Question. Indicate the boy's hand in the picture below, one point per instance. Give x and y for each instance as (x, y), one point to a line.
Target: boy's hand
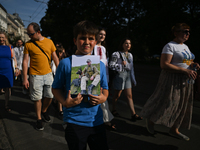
(70, 102)
(95, 100)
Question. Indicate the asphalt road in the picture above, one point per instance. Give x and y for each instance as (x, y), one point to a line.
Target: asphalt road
(17, 127)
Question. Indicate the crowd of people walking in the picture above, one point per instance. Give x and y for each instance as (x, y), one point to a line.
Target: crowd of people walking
(44, 69)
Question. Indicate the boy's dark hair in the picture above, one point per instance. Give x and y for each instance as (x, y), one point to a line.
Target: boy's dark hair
(36, 27)
(85, 27)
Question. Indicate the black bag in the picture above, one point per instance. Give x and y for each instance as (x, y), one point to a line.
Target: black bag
(113, 73)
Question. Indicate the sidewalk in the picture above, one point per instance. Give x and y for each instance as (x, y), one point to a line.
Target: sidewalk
(17, 127)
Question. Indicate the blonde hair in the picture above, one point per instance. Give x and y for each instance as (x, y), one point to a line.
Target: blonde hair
(179, 26)
(6, 41)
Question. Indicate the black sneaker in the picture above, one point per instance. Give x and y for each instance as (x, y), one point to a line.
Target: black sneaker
(46, 117)
(39, 125)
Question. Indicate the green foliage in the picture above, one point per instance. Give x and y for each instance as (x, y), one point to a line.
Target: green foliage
(147, 23)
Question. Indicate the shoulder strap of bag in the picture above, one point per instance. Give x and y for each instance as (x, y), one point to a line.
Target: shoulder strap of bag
(121, 55)
(40, 49)
(11, 51)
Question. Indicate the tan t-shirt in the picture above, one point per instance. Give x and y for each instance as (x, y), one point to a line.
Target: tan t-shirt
(39, 63)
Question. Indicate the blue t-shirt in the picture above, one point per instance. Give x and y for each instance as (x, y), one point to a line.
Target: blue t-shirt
(83, 114)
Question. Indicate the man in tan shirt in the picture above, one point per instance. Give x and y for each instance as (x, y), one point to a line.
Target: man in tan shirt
(40, 72)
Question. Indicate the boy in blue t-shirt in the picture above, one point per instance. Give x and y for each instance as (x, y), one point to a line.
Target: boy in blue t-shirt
(84, 118)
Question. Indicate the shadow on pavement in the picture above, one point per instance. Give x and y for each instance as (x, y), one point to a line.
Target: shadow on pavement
(128, 143)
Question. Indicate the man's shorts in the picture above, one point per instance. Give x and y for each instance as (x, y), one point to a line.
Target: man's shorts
(122, 81)
(40, 86)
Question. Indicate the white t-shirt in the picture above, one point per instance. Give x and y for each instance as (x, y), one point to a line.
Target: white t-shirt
(53, 67)
(182, 56)
(19, 52)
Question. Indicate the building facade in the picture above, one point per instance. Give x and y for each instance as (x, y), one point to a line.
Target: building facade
(3, 19)
(12, 25)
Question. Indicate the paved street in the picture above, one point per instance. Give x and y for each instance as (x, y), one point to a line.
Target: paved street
(17, 127)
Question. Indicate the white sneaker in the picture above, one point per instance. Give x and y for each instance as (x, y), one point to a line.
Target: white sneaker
(180, 136)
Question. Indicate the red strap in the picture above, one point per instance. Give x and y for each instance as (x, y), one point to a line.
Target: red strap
(100, 52)
(11, 51)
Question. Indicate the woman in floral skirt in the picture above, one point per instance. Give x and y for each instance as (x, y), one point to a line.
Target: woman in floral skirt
(171, 103)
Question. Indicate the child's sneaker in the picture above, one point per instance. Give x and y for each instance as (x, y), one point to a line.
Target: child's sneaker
(46, 117)
(39, 125)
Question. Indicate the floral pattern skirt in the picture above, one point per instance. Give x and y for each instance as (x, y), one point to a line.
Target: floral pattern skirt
(171, 103)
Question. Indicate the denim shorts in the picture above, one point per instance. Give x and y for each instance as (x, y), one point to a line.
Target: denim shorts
(40, 86)
(122, 81)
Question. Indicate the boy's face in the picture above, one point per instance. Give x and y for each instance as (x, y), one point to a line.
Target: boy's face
(85, 44)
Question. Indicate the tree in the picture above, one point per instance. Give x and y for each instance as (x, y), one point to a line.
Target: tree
(62, 15)
(147, 23)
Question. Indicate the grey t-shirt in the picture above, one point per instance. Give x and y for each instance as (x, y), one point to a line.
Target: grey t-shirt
(182, 56)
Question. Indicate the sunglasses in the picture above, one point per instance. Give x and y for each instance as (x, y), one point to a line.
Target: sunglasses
(186, 32)
(31, 34)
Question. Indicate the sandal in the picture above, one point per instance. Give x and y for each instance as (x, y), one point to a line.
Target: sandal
(115, 113)
(136, 117)
(7, 108)
(109, 126)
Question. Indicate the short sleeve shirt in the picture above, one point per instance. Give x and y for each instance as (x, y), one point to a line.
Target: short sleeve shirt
(39, 63)
(83, 114)
(182, 56)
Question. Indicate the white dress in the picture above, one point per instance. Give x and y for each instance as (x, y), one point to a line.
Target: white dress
(101, 51)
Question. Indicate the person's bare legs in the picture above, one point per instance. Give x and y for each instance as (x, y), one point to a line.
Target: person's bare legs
(59, 106)
(116, 96)
(7, 97)
(46, 103)
(174, 130)
(128, 93)
(38, 106)
(2, 91)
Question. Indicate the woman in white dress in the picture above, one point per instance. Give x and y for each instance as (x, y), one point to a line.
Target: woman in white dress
(100, 50)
